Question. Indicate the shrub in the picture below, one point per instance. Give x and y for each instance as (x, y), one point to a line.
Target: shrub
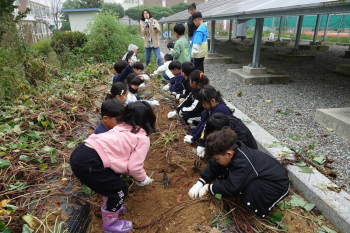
(108, 39)
(67, 39)
(35, 71)
(13, 52)
(42, 47)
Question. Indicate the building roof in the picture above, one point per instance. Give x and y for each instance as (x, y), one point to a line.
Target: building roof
(247, 9)
(80, 10)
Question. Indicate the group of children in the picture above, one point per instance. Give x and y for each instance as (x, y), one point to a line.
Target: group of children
(121, 142)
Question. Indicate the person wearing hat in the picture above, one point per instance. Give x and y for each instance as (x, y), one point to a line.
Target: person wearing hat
(135, 49)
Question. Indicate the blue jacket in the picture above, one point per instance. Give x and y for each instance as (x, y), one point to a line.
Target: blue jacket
(221, 107)
(121, 77)
(176, 84)
(199, 46)
(100, 129)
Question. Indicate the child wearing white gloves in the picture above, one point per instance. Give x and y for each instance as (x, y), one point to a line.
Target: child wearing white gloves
(235, 169)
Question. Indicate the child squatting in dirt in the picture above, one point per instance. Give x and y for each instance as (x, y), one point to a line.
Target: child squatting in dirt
(100, 160)
(260, 180)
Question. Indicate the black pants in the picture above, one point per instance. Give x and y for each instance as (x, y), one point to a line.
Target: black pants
(87, 166)
(199, 64)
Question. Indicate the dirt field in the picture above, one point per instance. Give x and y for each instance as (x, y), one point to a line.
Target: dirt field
(158, 209)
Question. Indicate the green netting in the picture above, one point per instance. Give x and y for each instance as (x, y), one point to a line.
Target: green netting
(335, 21)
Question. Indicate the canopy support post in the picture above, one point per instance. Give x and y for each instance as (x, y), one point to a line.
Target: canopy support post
(297, 39)
(259, 24)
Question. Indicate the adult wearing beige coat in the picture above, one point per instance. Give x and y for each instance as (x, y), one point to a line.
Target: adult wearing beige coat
(150, 29)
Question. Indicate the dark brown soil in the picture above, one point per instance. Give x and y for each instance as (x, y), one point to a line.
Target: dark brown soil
(158, 209)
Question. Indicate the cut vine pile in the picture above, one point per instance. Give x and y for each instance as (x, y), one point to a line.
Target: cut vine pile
(39, 132)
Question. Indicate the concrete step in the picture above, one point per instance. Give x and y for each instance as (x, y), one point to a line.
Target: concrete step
(277, 43)
(337, 119)
(343, 69)
(270, 77)
(213, 58)
(293, 57)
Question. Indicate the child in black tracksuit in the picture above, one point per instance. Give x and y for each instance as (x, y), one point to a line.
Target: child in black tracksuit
(175, 84)
(218, 121)
(259, 179)
(212, 102)
(191, 108)
(186, 69)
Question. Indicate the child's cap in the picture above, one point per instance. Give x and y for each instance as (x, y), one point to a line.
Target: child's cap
(132, 47)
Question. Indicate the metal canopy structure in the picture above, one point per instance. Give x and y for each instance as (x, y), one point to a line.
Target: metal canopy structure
(243, 10)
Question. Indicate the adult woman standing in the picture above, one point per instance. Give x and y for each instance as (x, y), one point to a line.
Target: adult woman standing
(191, 26)
(150, 29)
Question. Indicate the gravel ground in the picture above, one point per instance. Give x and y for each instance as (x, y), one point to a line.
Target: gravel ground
(313, 85)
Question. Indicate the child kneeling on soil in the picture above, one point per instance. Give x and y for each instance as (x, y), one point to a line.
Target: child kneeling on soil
(212, 103)
(164, 69)
(119, 91)
(102, 158)
(260, 180)
(186, 69)
(111, 109)
(123, 69)
(175, 84)
(138, 69)
(218, 121)
(191, 109)
(133, 83)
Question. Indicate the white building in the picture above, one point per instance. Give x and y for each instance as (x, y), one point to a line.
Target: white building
(80, 18)
(39, 21)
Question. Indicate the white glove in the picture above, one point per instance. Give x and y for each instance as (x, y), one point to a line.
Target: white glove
(155, 103)
(194, 191)
(188, 139)
(166, 88)
(145, 77)
(200, 151)
(171, 114)
(204, 191)
(174, 93)
(180, 114)
(177, 96)
(147, 181)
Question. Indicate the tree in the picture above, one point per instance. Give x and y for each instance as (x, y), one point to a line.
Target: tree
(180, 7)
(55, 9)
(91, 3)
(7, 8)
(157, 12)
(117, 8)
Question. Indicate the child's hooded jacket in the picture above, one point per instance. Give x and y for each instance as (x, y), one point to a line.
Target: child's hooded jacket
(199, 46)
(122, 151)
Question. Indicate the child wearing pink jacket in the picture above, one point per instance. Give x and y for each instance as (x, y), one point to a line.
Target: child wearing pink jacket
(102, 158)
